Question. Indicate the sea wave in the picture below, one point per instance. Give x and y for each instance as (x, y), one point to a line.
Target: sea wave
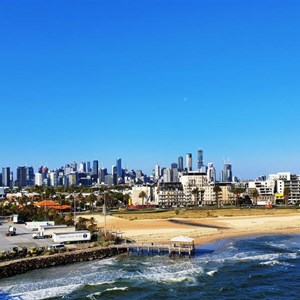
(114, 289)
(212, 273)
(46, 293)
(100, 283)
(274, 263)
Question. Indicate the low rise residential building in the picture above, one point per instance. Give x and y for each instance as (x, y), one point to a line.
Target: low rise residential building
(194, 185)
(170, 194)
(136, 192)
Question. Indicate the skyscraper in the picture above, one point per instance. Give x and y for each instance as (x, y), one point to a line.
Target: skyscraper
(200, 159)
(6, 176)
(180, 163)
(113, 169)
(174, 172)
(227, 172)
(211, 173)
(88, 166)
(38, 179)
(189, 165)
(30, 176)
(95, 167)
(21, 177)
(157, 172)
(82, 167)
(119, 167)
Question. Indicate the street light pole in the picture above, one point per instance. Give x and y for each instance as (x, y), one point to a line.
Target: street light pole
(74, 213)
(104, 212)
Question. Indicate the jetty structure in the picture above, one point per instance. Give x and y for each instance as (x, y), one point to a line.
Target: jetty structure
(179, 245)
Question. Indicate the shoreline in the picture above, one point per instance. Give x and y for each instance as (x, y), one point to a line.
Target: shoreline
(202, 230)
(210, 239)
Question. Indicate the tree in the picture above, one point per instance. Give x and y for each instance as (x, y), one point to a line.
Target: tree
(91, 200)
(255, 195)
(217, 190)
(238, 191)
(286, 194)
(142, 195)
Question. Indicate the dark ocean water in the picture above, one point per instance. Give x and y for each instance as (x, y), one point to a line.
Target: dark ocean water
(262, 267)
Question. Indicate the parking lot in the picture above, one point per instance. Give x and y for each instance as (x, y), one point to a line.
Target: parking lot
(22, 238)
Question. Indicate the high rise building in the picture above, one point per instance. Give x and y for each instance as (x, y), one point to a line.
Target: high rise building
(6, 176)
(88, 166)
(74, 166)
(174, 166)
(30, 176)
(102, 174)
(82, 167)
(227, 172)
(188, 162)
(113, 169)
(21, 177)
(200, 159)
(44, 172)
(95, 167)
(72, 178)
(53, 178)
(38, 179)
(167, 175)
(211, 173)
(119, 167)
(180, 163)
(157, 172)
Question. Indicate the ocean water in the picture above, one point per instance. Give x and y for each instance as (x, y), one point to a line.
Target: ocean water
(261, 267)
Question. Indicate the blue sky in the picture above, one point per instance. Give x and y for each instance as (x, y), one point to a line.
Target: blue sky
(149, 81)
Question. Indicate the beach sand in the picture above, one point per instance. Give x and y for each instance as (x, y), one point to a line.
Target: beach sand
(203, 230)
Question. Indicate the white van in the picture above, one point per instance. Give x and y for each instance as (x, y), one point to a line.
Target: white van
(56, 247)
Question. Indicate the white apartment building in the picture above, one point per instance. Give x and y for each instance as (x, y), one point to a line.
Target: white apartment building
(192, 182)
(38, 179)
(273, 188)
(135, 192)
(225, 197)
(169, 194)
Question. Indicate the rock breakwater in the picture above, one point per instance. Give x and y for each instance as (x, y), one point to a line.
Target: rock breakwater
(12, 268)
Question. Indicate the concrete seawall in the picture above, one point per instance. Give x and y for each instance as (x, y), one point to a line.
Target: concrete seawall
(21, 266)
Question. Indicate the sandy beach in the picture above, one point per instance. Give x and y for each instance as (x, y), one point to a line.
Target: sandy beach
(203, 230)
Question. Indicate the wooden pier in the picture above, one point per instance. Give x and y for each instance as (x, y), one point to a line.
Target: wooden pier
(158, 249)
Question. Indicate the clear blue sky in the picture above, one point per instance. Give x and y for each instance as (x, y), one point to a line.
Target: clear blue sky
(148, 81)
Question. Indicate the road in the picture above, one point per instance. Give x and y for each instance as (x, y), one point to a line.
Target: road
(22, 238)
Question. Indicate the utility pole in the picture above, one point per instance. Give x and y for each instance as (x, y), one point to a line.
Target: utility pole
(74, 212)
(104, 212)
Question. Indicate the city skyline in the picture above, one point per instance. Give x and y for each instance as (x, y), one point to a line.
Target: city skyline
(149, 81)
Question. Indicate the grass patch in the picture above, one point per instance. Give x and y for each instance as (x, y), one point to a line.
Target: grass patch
(205, 213)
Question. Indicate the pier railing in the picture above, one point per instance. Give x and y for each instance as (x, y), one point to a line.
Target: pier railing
(158, 248)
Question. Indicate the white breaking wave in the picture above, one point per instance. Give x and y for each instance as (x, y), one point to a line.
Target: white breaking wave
(212, 273)
(92, 296)
(101, 283)
(274, 263)
(272, 256)
(47, 293)
(163, 274)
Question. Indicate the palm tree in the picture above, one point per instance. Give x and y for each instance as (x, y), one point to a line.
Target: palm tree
(142, 195)
(217, 190)
(255, 195)
(92, 224)
(238, 191)
(286, 194)
(91, 199)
